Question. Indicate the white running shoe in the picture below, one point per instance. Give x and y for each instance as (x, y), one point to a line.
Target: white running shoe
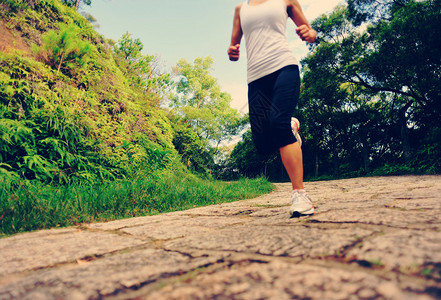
(301, 204)
(295, 125)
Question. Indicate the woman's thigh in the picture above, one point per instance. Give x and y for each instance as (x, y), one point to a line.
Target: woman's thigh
(259, 104)
(284, 101)
(285, 96)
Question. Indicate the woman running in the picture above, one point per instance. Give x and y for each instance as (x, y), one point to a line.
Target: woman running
(274, 83)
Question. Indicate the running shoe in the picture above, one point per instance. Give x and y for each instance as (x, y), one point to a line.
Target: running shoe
(295, 125)
(301, 205)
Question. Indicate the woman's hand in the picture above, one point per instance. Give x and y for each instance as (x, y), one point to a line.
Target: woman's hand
(233, 52)
(306, 33)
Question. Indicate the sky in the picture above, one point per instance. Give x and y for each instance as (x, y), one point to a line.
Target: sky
(176, 29)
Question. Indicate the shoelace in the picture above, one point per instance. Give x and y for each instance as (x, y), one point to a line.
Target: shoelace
(300, 196)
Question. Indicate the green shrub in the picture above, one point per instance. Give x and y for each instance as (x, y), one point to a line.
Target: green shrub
(65, 48)
(394, 169)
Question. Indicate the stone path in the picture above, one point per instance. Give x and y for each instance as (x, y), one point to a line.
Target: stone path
(370, 238)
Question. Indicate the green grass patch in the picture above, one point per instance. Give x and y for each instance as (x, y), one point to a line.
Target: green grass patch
(32, 205)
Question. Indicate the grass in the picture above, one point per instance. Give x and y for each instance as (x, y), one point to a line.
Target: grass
(375, 262)
(33, 205)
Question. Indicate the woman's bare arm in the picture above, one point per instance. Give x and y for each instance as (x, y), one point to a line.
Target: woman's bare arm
(304, 29)
(236, 36)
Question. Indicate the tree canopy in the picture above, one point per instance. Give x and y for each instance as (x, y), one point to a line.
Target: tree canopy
(203, 112)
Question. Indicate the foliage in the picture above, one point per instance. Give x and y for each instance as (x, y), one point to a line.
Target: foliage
(202, 115)
(76, 3)
(72, 125)
(42, 139)
(114, 116)
(65, 48)
(358, 111)
(192, 148)
(245, 158)
(200, 102)
(141, 70)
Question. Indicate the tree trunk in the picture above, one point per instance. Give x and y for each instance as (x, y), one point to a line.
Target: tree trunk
(335, 161)
(404, 133)
(364, 146)
(61, 61)
(365, 157)
(77, 4)
(316, 171)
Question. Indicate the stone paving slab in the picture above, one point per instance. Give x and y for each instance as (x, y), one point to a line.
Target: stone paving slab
(183, 226)
(371, 238)
(281, 280)
(401, 249)
(386, 217)
(289, 241)
(46, 248)
(100, 277)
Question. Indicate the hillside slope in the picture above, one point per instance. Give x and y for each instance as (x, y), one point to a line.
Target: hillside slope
(67, 111)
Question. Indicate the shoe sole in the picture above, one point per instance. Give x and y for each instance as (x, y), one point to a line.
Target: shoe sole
(298, 138)
(297, 214)
(296, 130)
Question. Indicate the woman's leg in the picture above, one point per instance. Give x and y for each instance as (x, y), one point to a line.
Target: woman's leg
(286, 95)
(301, 204)
(292, 159)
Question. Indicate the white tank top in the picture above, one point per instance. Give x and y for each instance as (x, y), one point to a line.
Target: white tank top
(264, 30)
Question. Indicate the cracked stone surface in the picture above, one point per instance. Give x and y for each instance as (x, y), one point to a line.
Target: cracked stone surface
(371, 238)
(273, 240)
(101, 277)
(282, 280)
(45, 248)
(402, 249)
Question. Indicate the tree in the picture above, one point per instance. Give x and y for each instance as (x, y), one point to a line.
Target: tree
(195, 154)
(76, 3)
(141, 70)
(201, 103)
(410, 60)
(246, 161)
(371, 80)
(203, 111)
(65, 47)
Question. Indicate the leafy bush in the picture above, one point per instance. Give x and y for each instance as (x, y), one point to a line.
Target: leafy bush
(427, 157)
(10, 7)
(393, 170)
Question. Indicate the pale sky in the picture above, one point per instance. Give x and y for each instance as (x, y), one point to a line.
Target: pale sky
(176, 29)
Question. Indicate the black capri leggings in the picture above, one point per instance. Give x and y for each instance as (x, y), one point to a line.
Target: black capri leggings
(272, 100)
